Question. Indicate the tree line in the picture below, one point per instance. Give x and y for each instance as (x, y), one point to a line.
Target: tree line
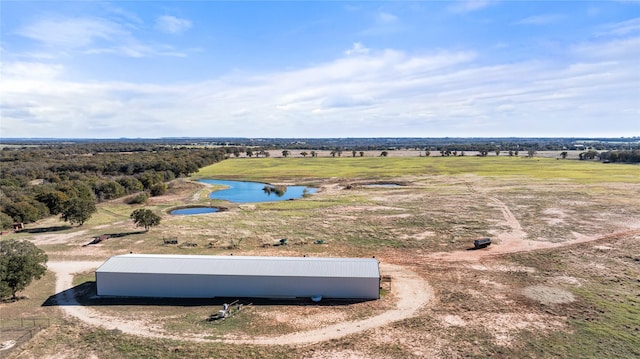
(68, 180)
(620, 156)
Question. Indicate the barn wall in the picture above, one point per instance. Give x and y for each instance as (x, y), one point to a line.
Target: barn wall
(207, 286)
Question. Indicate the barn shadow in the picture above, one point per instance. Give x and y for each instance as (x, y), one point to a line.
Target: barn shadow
(124, 234)
(85, 295)
(44, 229)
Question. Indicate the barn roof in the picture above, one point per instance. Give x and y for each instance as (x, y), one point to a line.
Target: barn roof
(242, 265)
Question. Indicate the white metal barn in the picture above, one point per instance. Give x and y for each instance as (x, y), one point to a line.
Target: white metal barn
(201, 276)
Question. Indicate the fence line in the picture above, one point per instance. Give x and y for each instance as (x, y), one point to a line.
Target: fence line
(24, 323)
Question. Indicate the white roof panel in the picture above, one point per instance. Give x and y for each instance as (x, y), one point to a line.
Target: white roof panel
(242, 265)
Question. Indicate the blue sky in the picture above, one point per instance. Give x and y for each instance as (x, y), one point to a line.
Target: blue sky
(87, 69)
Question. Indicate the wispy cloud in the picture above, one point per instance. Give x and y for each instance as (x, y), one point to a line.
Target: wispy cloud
(27, 70)
(71, 33)
(172, 25)
(465, 6)
(545, 19)
(621, 28)
(357, 49)
(383, 23)
(386, 18)
(91, 35)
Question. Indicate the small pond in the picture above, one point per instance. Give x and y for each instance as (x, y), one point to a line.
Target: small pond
(193, 210)
(247, 192)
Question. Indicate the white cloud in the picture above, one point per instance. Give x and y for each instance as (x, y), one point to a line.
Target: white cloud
(387, 18)
(446, 93)
(464, 6)
(30, 70)
(70, 33)
(621, 28)
(541, 19)
(72, 36)
(172, 25)
(383, 23)
(357, 49)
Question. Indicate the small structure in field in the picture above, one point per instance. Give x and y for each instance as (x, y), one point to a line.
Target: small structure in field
(98, 239)
(202, 276)
(482, 243)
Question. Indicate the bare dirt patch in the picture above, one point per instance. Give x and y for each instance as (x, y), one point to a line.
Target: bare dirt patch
(548, 295)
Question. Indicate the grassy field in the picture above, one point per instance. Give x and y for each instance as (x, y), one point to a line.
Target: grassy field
(479, 308)
(377, 168)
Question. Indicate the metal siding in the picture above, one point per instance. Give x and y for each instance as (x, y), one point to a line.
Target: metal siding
(205, 286)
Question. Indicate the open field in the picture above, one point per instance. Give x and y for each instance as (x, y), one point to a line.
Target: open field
(560, 279)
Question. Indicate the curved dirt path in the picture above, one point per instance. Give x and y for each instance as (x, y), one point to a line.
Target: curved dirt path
(515, 240)
(410, 290)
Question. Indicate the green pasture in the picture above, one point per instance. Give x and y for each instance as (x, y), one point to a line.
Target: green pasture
(380, 168)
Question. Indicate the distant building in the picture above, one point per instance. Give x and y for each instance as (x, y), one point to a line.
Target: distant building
(201, 276)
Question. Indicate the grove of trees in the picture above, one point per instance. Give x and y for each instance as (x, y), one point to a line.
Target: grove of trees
(69, 179)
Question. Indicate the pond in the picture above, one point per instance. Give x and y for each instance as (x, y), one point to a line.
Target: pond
(247, 192)
(193, 210)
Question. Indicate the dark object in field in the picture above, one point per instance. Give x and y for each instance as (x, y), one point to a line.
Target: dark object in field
(481, 243)
(98, 239)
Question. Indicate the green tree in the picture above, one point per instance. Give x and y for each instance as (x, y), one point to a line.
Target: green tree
(78, 210)
(54, 200)
(158, 189)
(564, 154)
(143, 217)
(131, 184)
(285, 153)
(150, 178)
(108, 189)
(303, 154)
(22, 212)
(249, 153)
(384, 154)
(5, 221)
(20, 263)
